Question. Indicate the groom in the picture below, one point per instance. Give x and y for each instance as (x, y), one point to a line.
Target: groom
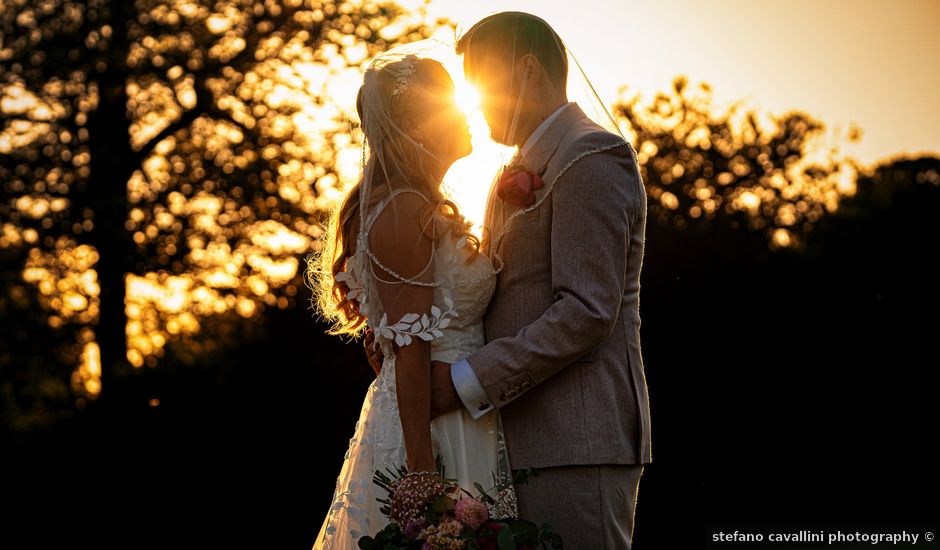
(562, 361)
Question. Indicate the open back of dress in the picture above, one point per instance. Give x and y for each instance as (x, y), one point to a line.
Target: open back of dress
(471, 450)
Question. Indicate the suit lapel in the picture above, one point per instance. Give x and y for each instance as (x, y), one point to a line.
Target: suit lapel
(536, 159)
(490, 215)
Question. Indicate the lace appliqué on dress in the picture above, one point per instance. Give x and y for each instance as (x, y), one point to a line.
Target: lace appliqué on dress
(424, 327)
(411, 325)
(377, 444)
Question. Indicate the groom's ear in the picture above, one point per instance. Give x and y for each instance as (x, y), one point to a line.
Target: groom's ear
(530, 68)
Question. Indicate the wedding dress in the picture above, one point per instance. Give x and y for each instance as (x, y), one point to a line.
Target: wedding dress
(472, 450)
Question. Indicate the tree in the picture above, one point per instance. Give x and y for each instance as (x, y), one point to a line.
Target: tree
(706, 169)
(165, 162)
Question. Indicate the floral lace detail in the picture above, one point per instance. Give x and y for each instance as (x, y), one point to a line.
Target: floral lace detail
(377, 444)
(411, 325)
(424, 327)
(356, 290)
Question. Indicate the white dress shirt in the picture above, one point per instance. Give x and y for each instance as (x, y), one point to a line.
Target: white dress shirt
(533, 139)
(465, 380)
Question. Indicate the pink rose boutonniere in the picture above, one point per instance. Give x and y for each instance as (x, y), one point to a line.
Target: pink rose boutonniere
(517, 185)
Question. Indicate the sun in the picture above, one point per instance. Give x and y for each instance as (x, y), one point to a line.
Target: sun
(469, 179)
(467, 97)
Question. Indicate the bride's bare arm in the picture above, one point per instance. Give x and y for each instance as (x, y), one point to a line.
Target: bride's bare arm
(397, 240)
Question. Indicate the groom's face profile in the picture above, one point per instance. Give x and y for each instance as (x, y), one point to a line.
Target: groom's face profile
(518, 65)
(493, 84)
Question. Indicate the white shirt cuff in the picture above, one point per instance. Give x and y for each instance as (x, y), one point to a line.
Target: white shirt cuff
(469, 388)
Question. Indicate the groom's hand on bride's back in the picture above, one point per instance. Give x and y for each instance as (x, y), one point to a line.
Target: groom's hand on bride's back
(373, 352)
(444, 396)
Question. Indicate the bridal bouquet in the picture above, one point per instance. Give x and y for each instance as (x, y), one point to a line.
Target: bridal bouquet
(428, 512)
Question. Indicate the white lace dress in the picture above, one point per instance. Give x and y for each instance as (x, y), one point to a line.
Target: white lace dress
(472, 450)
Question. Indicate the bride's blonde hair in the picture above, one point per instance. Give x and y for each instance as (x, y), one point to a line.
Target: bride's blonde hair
(338, 242)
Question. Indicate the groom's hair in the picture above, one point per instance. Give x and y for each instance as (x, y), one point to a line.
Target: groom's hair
(515, 33)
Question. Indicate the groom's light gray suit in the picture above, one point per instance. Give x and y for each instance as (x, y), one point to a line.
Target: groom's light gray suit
(562, 360)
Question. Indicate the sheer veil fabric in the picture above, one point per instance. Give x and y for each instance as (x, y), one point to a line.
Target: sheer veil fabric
(439, 297)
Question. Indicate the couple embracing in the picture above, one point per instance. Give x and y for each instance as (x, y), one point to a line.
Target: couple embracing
(518, 350)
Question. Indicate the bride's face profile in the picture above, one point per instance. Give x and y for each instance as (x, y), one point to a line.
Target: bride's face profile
(438, 122)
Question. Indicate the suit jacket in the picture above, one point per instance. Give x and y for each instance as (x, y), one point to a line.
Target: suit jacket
(562, 361)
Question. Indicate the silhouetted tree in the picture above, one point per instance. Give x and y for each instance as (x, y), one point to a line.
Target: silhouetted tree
(706, 169)
(165, 163)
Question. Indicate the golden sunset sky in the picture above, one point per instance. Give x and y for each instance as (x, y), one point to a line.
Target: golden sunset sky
(870, 62)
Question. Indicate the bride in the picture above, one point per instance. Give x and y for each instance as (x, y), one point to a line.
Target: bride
(398, 258)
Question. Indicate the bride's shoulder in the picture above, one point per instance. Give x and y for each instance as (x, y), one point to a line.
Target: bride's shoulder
(409, 215)
(402, 211)
(403, 231)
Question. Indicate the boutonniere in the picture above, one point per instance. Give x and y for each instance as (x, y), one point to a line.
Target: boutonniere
(517, 184)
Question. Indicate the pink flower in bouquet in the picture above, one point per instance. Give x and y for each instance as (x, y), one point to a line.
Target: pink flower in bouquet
(471, 512)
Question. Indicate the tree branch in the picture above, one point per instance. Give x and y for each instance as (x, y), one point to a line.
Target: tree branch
(205, 102)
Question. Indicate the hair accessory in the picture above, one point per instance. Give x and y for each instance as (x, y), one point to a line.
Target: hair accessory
(405, 74)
